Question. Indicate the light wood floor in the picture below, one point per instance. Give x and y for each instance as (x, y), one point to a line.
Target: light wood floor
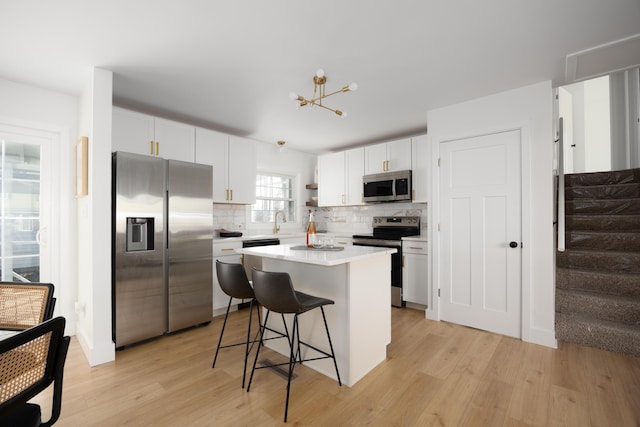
(436, 374)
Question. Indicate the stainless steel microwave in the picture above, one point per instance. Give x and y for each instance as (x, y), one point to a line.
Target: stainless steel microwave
(387, 186)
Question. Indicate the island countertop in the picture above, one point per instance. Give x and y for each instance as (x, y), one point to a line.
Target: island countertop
(316, 256)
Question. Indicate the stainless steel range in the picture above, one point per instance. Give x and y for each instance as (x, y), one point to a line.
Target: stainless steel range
(388, 232)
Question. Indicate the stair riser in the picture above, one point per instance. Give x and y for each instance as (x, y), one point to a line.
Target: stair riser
(603, 178)
(603, 207)
(598, 307)
(605, 262)
(626, 242)
(623, 223)
(626, 191)
(624, 285)
(579, 331)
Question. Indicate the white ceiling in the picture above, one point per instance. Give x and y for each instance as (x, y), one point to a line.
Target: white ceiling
(231, 64)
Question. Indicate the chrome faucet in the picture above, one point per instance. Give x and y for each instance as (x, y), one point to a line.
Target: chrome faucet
(276, 227)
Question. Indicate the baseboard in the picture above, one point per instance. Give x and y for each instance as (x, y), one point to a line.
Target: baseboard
(543, 337)
(95, 355)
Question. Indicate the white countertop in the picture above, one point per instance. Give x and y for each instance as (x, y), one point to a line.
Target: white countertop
(317, 257)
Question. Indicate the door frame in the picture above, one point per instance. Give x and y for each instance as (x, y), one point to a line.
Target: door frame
(52, 163)
(525, 128)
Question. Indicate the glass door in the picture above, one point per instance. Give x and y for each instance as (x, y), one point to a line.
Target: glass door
(20, 208)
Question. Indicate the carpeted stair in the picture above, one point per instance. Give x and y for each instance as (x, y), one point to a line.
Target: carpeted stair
(598, 275)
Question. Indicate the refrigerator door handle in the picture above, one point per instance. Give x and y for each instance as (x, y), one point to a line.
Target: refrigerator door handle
(166, 215)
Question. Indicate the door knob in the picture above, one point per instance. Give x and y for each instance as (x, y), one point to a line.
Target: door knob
(513, 244)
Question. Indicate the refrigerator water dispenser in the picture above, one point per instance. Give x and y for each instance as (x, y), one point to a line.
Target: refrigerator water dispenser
(139, 234)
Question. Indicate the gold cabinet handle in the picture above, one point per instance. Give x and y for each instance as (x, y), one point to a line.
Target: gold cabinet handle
(226, 249)
(416, 248)
(157, 148)
(151, 148)
(231, 195)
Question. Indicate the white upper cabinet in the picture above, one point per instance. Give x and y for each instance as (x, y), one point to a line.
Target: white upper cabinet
(388, 156)
(140, 133)
(340, 178)
(212, 149)
(354, 169)
(331, 179)
(242, 170)
(420, 166)
(174, 140)
(234, 165)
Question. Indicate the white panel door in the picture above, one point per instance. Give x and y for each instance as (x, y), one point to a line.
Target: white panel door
(480, 217)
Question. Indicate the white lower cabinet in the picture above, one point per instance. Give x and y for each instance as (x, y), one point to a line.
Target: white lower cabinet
(225, 252)
(415, 271)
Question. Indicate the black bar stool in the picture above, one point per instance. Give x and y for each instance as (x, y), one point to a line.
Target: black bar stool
(274, 291)
(233, 281)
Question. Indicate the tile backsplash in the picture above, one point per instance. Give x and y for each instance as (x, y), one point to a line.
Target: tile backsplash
(347, 219)
(359, 219)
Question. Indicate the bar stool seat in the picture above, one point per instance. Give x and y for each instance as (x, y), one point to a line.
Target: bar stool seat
(275, 292)
(234, 282)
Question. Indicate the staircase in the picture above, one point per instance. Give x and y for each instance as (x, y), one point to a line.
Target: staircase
(598, 275)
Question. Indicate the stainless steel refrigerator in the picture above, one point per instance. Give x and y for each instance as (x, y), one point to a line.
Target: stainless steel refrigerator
(161, 247)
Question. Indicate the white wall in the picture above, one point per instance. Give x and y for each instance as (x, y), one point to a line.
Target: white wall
(57, 115)
(530, 109)
(597, 130)
(94, 223)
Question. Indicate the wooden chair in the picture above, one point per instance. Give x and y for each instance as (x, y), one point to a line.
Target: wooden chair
(23, 305)
(30, 362)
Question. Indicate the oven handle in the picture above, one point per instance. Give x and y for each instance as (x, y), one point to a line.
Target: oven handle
(378, 244)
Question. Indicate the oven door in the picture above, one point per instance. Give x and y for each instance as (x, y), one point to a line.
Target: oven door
(378, 190)
(396, 267)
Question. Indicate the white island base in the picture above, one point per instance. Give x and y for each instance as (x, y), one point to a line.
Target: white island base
(358, 280)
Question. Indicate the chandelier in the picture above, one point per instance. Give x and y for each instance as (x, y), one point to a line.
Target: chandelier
(319, 93)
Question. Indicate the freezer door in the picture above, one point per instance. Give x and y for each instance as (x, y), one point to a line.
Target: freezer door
(139, 296)
(190, 233)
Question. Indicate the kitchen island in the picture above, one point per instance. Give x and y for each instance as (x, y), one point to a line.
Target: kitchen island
(358, 279)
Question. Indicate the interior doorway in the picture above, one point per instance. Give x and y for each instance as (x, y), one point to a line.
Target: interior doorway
(481, 232)
(25, 205)
(601, 123)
